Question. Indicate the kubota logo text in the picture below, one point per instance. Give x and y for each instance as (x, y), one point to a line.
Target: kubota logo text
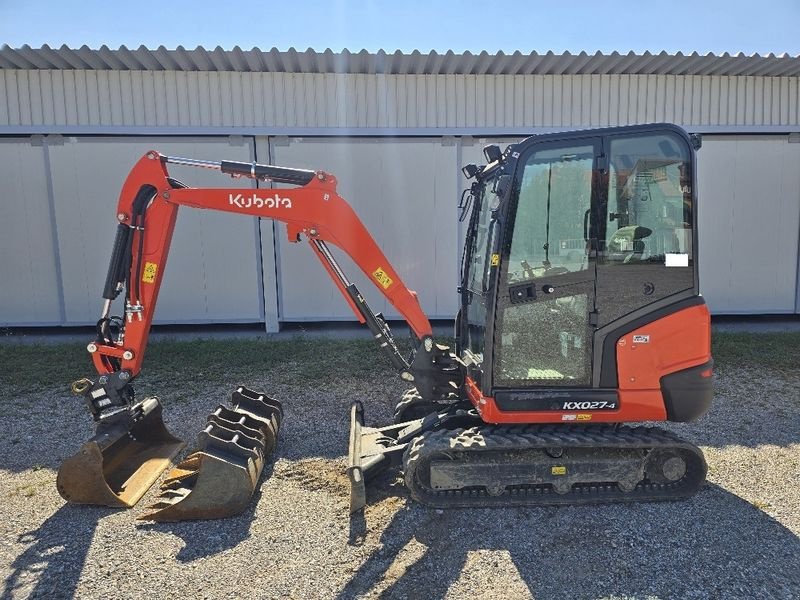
(242, 201)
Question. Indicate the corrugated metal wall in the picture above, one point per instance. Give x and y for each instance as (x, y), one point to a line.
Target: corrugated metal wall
(222, 99)
(57, 195)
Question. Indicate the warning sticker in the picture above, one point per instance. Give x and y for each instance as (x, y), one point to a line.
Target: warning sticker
(382, 278)
(149, 273)
(569, 417)
(584, 417)
(559, 470)
(641, 339)
(495, 260)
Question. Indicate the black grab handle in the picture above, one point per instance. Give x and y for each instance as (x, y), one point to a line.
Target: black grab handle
(277, 174)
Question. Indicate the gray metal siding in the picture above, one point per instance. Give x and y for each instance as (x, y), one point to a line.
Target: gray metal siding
(213, 272)
(29, 291)
(405, 192)
(106, 99)
(749, 212)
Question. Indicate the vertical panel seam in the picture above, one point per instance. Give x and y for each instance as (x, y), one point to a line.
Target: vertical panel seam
(262, 312)
(275, 248)
(62, 309)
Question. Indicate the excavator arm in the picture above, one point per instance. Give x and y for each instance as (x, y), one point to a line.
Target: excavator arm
(147, 211)
(146, 215)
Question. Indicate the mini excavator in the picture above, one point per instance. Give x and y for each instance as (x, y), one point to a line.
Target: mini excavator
(580, 318)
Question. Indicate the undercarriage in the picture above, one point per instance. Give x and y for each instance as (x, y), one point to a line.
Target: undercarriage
(452, 459)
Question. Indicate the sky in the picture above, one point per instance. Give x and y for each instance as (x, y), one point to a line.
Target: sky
(515, 25)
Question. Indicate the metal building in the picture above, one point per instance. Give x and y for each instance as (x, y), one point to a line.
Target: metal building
(395, 129)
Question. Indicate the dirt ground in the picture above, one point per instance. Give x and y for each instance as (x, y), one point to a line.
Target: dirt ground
(738, 538)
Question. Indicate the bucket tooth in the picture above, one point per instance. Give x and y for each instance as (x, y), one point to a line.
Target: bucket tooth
(119, 463)
(223, 489)
(219, 479)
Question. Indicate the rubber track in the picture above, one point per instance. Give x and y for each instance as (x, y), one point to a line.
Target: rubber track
(499, 438)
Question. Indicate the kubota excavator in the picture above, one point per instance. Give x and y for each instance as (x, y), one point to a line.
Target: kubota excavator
(579, 313)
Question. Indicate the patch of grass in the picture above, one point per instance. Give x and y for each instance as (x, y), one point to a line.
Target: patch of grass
(42, 366)
(761, 504)
(777, 351)
(192, 364)
(27, 491)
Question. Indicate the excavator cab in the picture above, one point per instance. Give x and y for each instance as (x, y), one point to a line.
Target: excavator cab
(580, 312)
(576, 240)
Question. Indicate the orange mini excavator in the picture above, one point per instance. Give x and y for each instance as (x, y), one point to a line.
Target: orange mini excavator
(580, 313)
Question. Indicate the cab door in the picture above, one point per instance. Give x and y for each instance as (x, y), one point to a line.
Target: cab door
(645, 228)
(545, 307)
(646, 237)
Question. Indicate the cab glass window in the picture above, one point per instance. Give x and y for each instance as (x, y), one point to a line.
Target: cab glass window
(645, 250)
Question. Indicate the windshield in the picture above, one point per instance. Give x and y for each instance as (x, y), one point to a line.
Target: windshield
(478, 238)
(477, 264)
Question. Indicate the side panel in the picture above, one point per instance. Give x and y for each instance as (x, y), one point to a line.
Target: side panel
(673, 343)
(213, 273)
(749, 218)
(405, 193)
(29, 291)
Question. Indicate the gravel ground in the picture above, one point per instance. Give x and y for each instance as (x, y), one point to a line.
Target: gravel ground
(736, 539)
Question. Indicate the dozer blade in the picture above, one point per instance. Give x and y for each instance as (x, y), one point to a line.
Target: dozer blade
(219, 479)
(372, 451)
(120, 463)
(355, 472)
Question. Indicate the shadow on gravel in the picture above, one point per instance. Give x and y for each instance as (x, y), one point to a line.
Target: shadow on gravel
(51, 566)
(715, 545)
(208, 537)
(742, 424)
(385, 485)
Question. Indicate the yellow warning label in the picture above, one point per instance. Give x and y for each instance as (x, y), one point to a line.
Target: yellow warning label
(382, 278)
(584, 417)
(149, 273)
(495, 260)
(559, 470)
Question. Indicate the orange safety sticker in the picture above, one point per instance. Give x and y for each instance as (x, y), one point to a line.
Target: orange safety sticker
(584, 417)
(382, 278)
(149, 273)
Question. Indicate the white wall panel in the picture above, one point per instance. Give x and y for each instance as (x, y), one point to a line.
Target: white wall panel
(405, 192)
(749, 212)
(213, 271)
(255, 99)
(29, 291)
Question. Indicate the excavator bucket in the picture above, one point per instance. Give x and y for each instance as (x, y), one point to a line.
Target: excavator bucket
(120, 463)
(219, 479)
